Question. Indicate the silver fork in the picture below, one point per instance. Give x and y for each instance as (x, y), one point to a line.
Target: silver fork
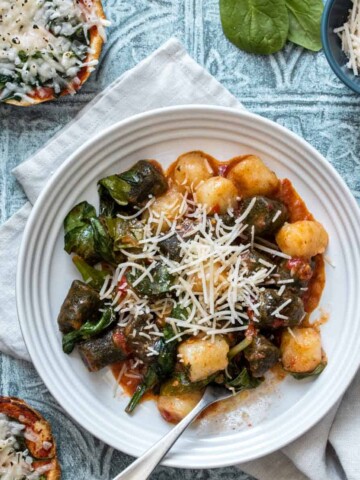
(144, 465)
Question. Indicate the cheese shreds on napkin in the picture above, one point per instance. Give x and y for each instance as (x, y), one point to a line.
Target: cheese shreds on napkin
(329, 450)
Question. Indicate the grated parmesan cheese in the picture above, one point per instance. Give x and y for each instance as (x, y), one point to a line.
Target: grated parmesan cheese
(212, 280)
(349, 34)
(44, 43)
(14, 463)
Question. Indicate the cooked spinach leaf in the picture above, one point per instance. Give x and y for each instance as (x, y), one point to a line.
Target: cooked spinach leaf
(124, 233)
(79, 216)
(180, 384)
(161, 283)
(116, 188)
(319, 369)
(86, 235)
(23, 56)
(244, 381)
(79, 234)
(93, 277)
(81, 241)
(256, 26)
(4, 79)
(179, 312)
(88, 330)
(102, 240)
(131, 187)
(162, 367)
(304, 27)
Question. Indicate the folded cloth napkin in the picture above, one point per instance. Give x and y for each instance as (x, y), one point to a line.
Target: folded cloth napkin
(328, 450)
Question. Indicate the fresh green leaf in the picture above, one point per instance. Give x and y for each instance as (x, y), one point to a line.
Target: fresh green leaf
(319, 369)
(93, 277)
(244, 381)
(88, 330)
(305, 19)
(79, 216)
(256, 26)
(161, 283)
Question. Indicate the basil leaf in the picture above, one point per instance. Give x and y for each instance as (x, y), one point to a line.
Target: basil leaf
(305, 18)
(88, 330)
(256, 26)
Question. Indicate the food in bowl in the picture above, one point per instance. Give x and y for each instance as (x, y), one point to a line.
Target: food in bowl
(27, 447)
(349, 34)
(48, 48)
(206, 273)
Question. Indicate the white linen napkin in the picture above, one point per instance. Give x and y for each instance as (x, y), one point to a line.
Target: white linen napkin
(328, 450)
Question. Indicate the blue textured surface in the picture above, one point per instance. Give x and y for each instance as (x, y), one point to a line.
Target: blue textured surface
(294, 88)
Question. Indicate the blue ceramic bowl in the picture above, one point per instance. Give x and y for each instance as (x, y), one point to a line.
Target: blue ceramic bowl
(335, 15)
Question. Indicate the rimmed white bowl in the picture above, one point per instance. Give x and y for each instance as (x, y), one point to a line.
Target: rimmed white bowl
(45, 272)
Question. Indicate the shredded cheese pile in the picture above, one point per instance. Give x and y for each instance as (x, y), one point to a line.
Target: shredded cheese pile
(349, 34)
(14, 464)
(37, 48)
(212, 281)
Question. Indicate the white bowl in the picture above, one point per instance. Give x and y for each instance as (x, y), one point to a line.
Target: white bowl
(45, 272)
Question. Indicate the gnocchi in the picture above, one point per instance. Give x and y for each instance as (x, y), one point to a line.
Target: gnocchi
(301, 351)
(191, 169)
(252, 177)
(204, 357)
(214, 272)
(218, 194)
(304, 238)
(174, 408)
(168, 205)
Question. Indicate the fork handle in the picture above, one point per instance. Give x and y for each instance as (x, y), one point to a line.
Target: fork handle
(144, 466)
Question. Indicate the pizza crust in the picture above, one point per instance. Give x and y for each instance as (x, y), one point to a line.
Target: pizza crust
(37, 426)
(96, 44)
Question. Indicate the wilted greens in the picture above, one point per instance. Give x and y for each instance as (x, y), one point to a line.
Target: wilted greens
(161, 368)
(131, 187)
(160, 283)
(88, 330)
(319, 369)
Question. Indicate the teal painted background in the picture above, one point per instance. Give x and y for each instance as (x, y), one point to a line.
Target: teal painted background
(294, 88)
